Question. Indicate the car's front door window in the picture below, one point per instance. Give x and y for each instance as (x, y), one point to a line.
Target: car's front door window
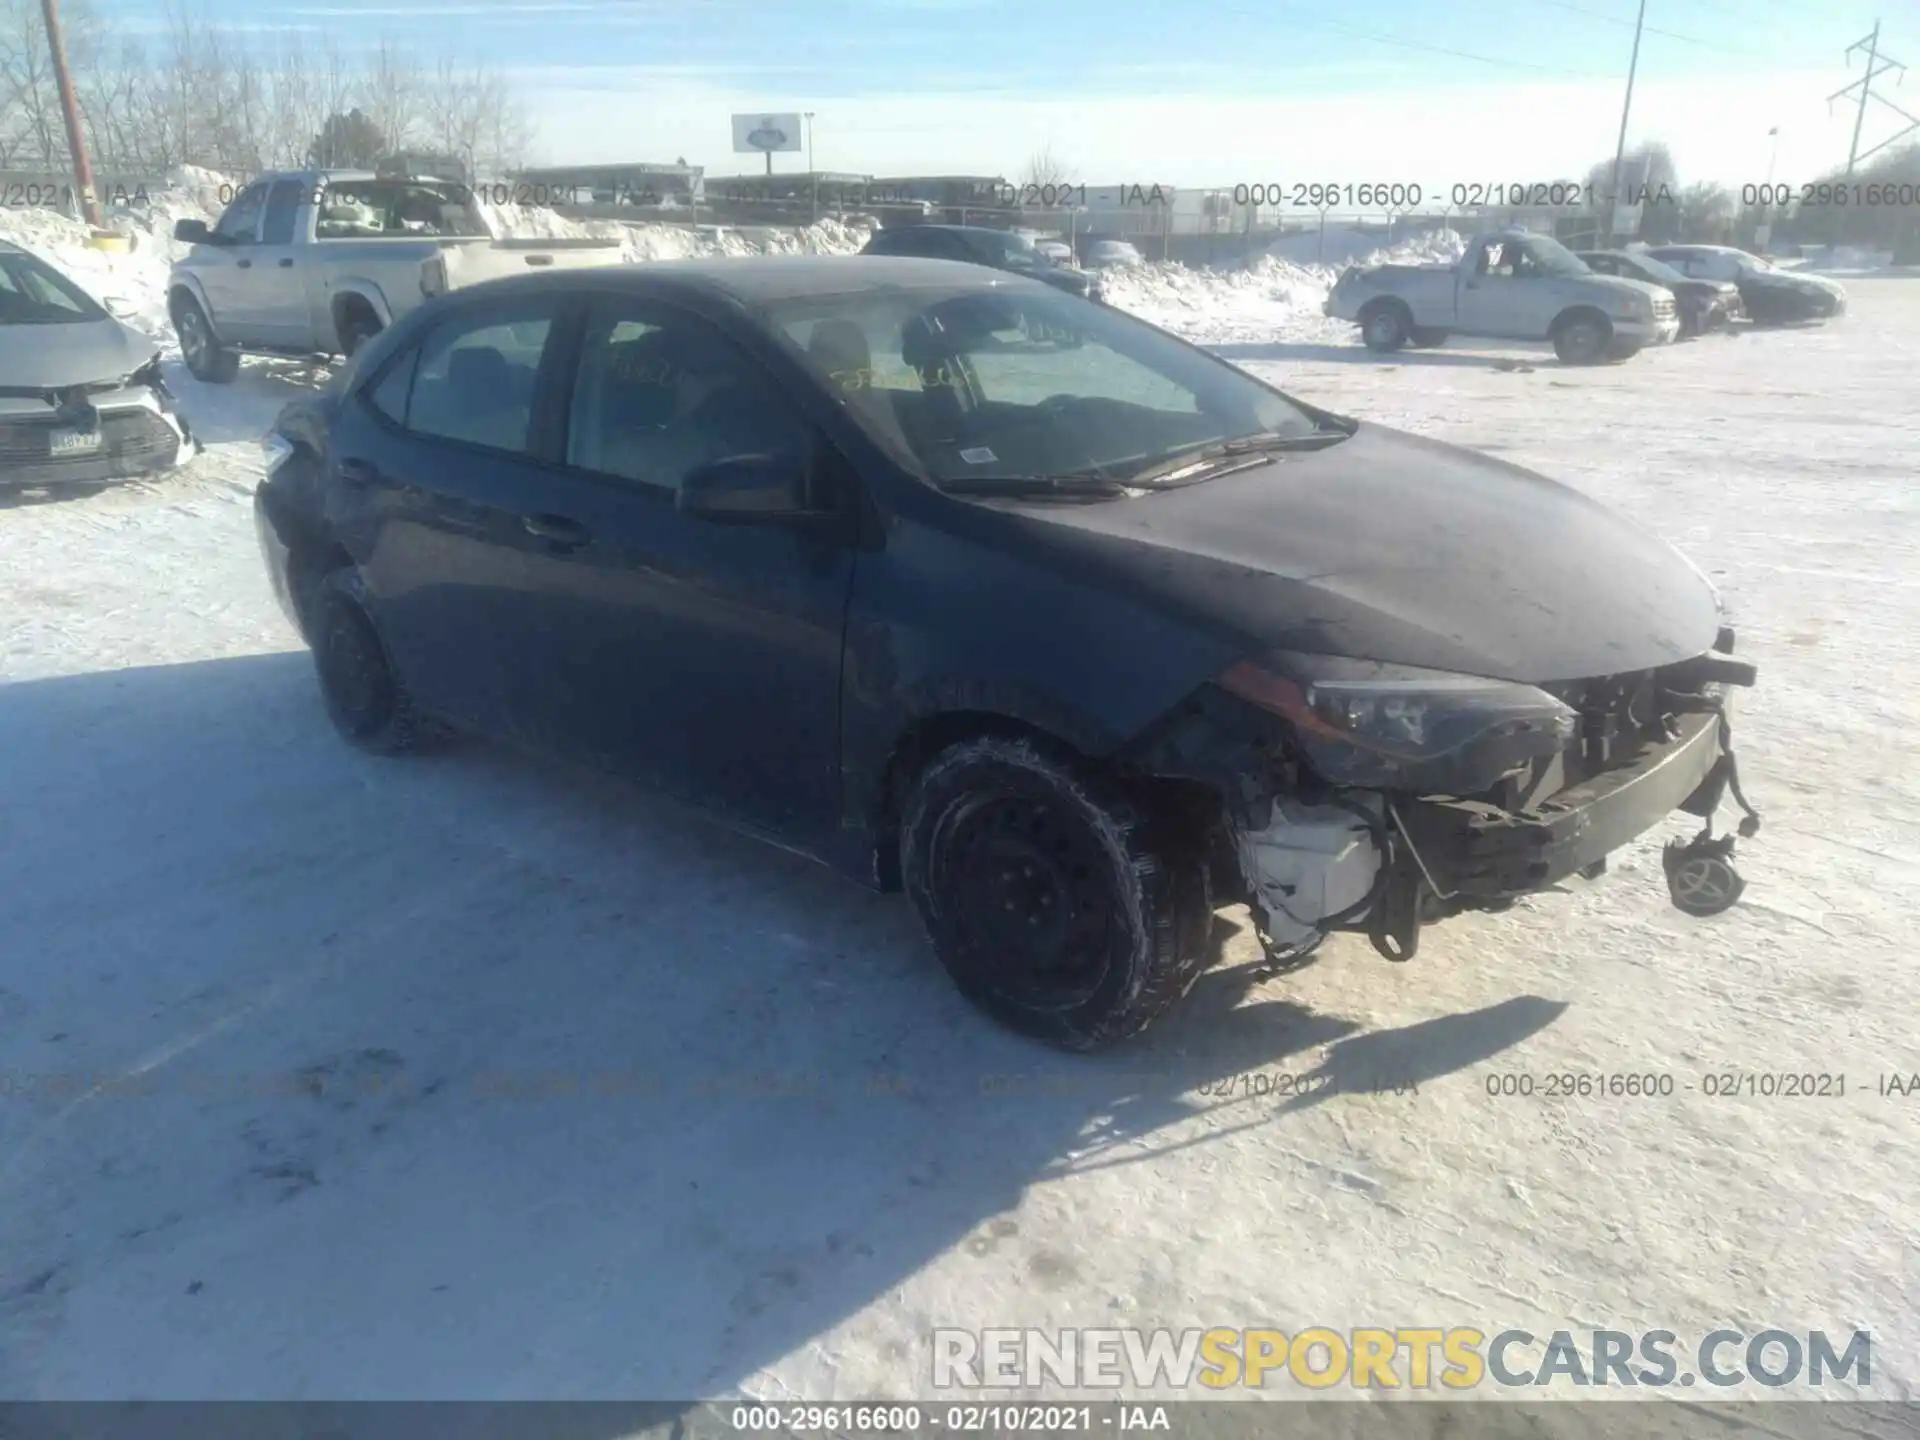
(476, 377)
(241, 223)
(660, 392)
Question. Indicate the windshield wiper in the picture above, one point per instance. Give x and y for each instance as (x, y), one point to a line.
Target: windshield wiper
(1246, 446)
(1074, 487)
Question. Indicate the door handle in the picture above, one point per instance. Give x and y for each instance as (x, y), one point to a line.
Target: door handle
(359, 473)
(558, 529)
(246, 264)
(287, 264)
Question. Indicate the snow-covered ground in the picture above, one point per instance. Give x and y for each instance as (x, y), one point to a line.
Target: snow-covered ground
(322, 1076)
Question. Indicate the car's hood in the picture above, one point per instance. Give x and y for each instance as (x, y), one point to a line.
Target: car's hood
(1392, 548)
(1796, 280)
(52, 357)
(1643, 288)
(1064, 277)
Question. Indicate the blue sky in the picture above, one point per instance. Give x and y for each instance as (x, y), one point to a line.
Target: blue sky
(1187, 91)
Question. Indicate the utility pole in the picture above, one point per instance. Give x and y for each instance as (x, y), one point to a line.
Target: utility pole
(76, 138)
(1866, 89)
(813, 176)
(1877, 65)
(1626, 107)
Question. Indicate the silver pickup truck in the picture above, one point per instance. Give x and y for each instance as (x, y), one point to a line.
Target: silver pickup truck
(1511, 285)
(315, 262)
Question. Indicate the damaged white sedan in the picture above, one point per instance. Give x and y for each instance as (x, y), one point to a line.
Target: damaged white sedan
(81, 396)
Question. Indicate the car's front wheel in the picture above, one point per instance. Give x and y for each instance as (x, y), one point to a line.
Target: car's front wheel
(206, 359)
(1061, 905)
(365, 697)
(1582, 338)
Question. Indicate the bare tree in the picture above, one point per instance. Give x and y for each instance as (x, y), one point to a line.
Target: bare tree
(392, 91)
(1046, 170)
(1706, 211)
(198, 92)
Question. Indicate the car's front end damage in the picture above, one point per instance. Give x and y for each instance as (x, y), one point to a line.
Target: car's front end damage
(1379, 799)
(119, 428)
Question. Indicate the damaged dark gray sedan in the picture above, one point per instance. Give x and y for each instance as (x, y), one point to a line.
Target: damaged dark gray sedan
(968, 587)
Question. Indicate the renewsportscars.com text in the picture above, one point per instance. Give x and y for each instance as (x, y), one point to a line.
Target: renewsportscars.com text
(1417, 1358)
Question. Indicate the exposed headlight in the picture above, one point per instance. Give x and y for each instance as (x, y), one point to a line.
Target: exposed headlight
(148, 375)
(276, 449)
(1403, 728)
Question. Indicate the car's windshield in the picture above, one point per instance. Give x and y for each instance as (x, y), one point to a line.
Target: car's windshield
(1645, 267)
(1545, 256)
(1010, 249)
(34, 293)
(969, 386)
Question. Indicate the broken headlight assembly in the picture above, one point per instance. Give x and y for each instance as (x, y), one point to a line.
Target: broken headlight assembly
(148, 375)
(1374, 726)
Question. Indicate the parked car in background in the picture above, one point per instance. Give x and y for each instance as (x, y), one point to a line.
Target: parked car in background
(1113, 254)
(1066, 627)
(1770, 295)
(1058, 251)
(316, 262)
(81, 397)
(1509, 285)
(1704, 304)
(981, 245)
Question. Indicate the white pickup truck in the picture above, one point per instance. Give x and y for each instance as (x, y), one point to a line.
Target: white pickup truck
(315, 262)
(1510, 285)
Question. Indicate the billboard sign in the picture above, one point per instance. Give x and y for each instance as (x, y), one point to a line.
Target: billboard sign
(766, 134)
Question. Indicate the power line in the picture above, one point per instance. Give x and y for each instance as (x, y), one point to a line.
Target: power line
(1877, 65)
(1649, 29)
(1395, 40)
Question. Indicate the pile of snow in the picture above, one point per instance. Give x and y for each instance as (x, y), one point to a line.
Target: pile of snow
(1339, 246)
(1271, 295)
(191, 193)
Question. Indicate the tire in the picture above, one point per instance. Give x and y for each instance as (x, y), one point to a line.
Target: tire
(364, 695)
(1386, 327)
(1582, 338)
(1622, 352)
(205, 358)
(1058, 904)
(1425, 339)
(357, 327)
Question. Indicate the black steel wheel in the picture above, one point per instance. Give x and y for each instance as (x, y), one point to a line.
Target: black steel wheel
(1061, 907)
(365, 698)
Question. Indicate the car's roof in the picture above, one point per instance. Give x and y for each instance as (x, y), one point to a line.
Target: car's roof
(759, 279)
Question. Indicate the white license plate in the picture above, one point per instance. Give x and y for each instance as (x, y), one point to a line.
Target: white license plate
(73, 442)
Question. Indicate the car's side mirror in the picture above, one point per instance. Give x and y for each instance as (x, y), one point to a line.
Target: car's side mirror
(192, 232)
(751, 490)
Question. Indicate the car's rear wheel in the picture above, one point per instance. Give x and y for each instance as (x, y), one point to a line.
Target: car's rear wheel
(206, 359)
(365, 697)
(1061, 905)
(1386, 326)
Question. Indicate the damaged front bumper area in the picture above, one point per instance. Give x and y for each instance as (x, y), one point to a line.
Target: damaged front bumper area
(92, 434)
(1596, 766)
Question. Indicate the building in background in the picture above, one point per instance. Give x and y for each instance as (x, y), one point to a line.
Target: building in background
(652, 186)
